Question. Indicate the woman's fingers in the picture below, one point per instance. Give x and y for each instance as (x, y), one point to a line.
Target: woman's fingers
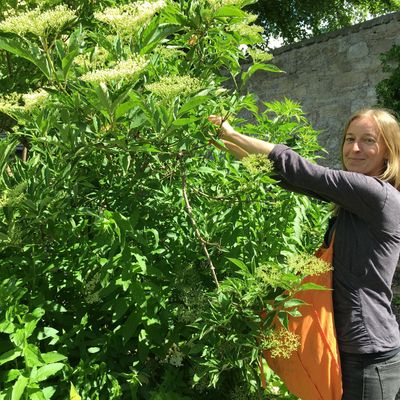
(215, 119)
(225, 126)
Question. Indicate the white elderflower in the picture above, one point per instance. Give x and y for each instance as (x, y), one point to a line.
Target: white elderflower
(251, 32)
(129, 18)
(17, 102)
(215, 4)
(38, 22)
(308, 264)
(259, 55)
(34, 99)
(96, 59)
(169, 87)
(174, 356)
(126, 69)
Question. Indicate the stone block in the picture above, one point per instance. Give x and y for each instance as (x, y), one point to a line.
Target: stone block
(357, 51)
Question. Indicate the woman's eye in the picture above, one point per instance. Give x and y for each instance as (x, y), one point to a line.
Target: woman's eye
(349, 140)
(370, 140)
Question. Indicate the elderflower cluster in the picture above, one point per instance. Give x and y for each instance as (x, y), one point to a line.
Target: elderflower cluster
(128, 18)
(17, 102)
(216, 4)
(281, 343)
(257, 164)
(307, 264)
(170, 53)
(169, 87)
(94, 60)
(38, 22)
(174, 356)
(269, 275)
(252, 32)
(34, 99)
(126, 69)
(259, 55)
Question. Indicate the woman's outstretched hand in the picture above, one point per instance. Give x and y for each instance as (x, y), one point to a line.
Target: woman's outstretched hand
(225, 128)
(225, 134)
(236, 143)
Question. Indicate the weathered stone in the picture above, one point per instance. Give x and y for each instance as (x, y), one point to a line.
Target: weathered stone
(332, 75)
(357, 51)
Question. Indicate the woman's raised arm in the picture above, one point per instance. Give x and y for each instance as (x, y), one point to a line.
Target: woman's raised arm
(246, 144)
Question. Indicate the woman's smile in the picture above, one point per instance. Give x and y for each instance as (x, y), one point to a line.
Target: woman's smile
(364, 149)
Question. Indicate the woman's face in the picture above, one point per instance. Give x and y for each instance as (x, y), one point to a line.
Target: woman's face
(364, 149)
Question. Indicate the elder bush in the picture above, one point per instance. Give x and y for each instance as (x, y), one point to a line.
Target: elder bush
(135, 258)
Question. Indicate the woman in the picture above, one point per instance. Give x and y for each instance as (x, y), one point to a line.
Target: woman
(367, 241)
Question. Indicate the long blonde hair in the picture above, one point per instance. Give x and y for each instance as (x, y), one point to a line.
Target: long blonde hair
(389, 128)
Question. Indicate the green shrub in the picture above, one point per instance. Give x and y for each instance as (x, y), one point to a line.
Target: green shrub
(112, 227)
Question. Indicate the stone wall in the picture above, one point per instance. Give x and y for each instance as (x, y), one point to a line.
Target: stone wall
(331, 76)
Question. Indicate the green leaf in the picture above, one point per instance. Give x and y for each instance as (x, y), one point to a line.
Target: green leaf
(312, 286)
(10, 355)
(240, 264)
(104, 97)
(4, 237)
(32, 356)
(130, 327)
(29, 51)
(294, 303)
(229, 11)
(44, 372)
(153, 39)
(19, 387)
(192, 103)
(257, 67)
(73, 393)
(52, 357)
(184, 121)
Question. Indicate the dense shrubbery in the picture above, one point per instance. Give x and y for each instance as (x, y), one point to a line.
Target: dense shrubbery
(135, 258)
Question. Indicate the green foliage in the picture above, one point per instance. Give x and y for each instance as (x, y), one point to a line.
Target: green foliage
(294, 20)
(388, 90)
(112, 227)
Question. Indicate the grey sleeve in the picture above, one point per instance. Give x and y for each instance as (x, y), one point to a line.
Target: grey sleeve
(363, 195)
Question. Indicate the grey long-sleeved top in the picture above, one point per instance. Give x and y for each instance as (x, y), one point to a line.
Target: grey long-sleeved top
(366, 248)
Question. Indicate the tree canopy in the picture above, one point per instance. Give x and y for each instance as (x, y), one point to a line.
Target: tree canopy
(297, 19)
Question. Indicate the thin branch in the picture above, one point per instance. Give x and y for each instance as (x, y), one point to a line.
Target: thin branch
(196, 229)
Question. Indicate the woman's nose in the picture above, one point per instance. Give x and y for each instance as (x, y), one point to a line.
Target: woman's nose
(355, 146)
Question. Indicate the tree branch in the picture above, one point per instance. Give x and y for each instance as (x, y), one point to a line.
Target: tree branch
(202, 241)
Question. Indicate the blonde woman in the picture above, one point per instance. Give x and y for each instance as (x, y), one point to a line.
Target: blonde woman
(366, 245)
